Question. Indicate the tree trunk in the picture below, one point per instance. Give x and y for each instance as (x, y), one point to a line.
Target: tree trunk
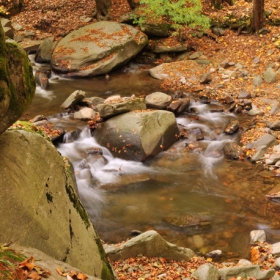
(217, 3)
(102, 9)
(133, 3)
(258, 15)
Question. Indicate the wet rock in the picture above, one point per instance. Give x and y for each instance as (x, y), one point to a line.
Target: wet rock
(135, 232)
(174, 105)
(158, 100)
(184, 106)
(44, 53)
(94, 151)
(85, 114)
(216, 108)
(73, 135)
(232, 150)
(138, 135)
(257, 236)
(124, 180)
(74, 98)
(214, 254)
(257, 81)
(228, 99)
(232, 127)
(42, 79)
(117, 106)
(38, 118)
(270, 76)
(149, 244)
(204, 99)
(246, 271)
(206, 271)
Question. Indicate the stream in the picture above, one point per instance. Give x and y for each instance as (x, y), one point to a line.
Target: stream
(190, 194)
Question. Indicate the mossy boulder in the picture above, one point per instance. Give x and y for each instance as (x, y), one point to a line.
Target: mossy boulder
(40, 205)
(17, 84)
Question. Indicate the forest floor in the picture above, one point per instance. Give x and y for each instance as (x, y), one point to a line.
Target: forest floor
(58, 17)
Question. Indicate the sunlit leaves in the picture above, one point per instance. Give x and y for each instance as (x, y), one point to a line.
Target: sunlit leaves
(178, 13)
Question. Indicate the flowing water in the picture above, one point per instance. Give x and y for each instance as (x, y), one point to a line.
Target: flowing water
(189, 193)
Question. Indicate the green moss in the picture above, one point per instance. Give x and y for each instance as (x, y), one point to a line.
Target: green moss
(107, 271)
(29, 127)
(76, 202)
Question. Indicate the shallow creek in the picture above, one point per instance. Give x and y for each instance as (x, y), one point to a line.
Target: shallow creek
(190, 194)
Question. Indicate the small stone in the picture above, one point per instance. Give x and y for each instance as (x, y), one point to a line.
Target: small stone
(256, 60)
(257, 236)
(232, 127)
(206, 271)
(244, 262)
(244, 95)
(270, 76)
(85, 114)
(214, 254)
(206, 78)
(257, 80)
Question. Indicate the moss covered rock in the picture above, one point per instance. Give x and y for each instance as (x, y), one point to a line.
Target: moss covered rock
(17, 84)
(40, 205)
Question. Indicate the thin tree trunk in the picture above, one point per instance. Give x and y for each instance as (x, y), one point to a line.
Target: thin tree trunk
(132, 3)
(258, 15)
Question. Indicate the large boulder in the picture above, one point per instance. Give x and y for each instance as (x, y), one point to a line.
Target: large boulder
(17, 84)
(138, 135)
(40, 206)
(97, 48)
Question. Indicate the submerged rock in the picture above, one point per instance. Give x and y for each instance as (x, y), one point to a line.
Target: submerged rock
(190, 223)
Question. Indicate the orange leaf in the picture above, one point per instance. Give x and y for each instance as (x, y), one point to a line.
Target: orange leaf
(34, 275)
(81, 276)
